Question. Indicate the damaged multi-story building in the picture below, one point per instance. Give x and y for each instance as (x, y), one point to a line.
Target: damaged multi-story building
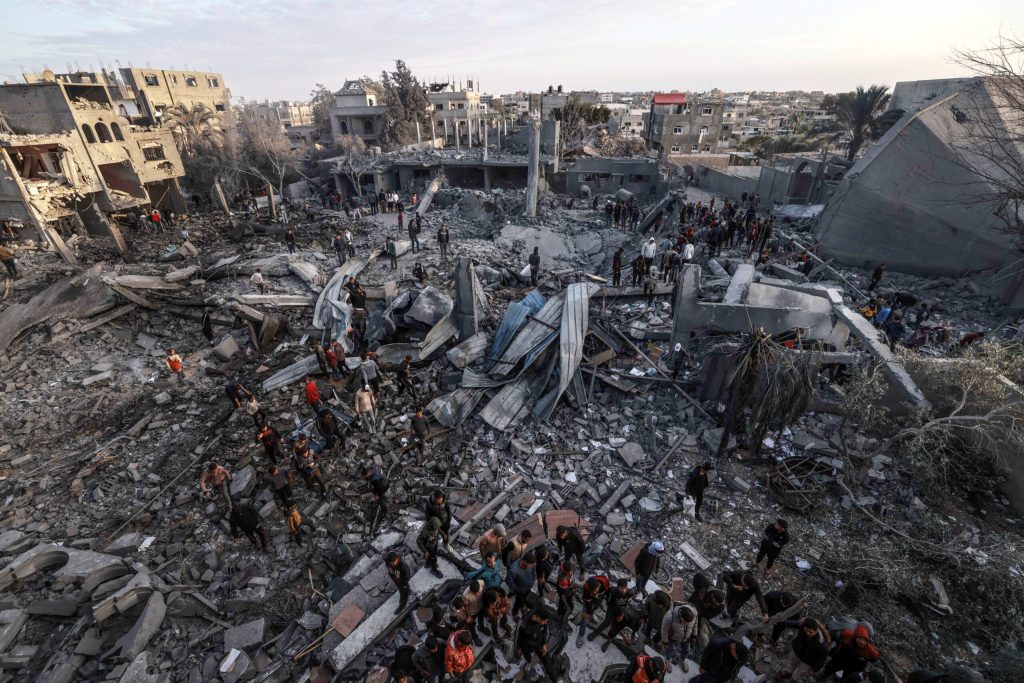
(677, 126)
(69, 161)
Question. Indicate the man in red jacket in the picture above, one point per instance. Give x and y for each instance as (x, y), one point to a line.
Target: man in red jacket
(312, 391)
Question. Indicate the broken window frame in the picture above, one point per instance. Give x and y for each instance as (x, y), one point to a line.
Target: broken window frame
(154, 153)
(151, 80)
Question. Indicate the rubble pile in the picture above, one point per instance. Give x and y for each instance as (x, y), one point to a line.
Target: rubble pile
(559, 402)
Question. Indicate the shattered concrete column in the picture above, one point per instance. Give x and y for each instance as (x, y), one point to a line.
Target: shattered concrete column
(533, 170)
(682, 322)
(270, 201)
(487, 177)
(433, 135)
(444, 122)
(218, 192)
(458, 139)
(485, 146)
(558, 131)
(418, 139)
(469, 132)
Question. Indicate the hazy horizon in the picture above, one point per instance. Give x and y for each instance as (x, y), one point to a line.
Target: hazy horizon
(280, 51)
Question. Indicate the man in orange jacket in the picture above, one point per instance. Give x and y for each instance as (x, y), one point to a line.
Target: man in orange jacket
(458, 655)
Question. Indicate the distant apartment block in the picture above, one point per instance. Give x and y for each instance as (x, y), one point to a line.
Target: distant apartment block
(677, 126)
(358, 110)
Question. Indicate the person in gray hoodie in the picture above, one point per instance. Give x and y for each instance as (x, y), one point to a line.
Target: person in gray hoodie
(678, 632)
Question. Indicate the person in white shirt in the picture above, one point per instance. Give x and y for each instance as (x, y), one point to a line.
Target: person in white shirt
(257, 281)
(647, 252)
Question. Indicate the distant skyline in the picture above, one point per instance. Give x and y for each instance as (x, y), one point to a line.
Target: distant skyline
(280, 50)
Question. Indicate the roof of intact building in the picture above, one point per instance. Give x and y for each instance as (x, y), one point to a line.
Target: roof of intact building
(670, 98)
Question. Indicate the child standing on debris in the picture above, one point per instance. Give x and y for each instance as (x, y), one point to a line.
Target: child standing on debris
(296, 524)
(174, 364)
(257, 281)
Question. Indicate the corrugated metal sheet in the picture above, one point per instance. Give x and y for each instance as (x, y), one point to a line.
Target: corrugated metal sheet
(575, 322)
(535, 330)
(515, 316)
(453, 408)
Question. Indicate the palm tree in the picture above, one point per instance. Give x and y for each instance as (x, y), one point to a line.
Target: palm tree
(193, 127)
(858, 113)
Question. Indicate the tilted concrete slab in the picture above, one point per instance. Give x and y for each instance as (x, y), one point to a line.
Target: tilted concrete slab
(743, 276)
(422, 584)
(134, 642)
(587, 664)
(898, 377)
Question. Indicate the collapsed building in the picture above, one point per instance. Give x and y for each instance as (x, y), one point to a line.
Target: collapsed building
(925, 198)
(70, 161)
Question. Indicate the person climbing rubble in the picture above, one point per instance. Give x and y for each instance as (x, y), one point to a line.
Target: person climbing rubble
(696, 484)
(216, 477)
(534, 262)
(307, 464)
(776, 535)
(245, 519)
(618, 600)
(740, 586)
(429, 541)
(570, 543)
(258, 282)
(405, 378)
(236, 392)
(379, 484)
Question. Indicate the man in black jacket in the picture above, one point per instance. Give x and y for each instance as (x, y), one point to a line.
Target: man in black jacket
(810, 650)
(403, 669)
(245, 518)
(618, 599)
(647, 563)
(696, 484)
(429, 660)
(534, 261)
(740, 586)
(571, 543)
(629, 618)
(776, 535)
(722, 660)
(532, 639)
(399, 572)
(437, 506)
(429, 541)
(378, 482)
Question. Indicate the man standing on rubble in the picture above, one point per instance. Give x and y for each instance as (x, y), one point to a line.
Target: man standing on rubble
(327, 425)
(257, 281)
(366, 408)
(646, 564)
(534, 261)
(289, 240)
(776, 535)
(520, 578)
(740, 586)
(696, 485)
(429, 542)
(443, 238)
(379, 484)
(391, 249)
(271, 440)
(570, 543)
(876, 276)
(350, 247)
(414, 235)
(281, 485)
(399, 572)
(421, 432)
(218, 477)
(307, 464)
(648, 251)
(618, 599)
(650, 288)
(312, 392)
(339, 249)
(245, 518)
(207, 325)
(722, 660)
(401, 219)
(595, 590)
(532, 639)
(617, 268)
(405, 383)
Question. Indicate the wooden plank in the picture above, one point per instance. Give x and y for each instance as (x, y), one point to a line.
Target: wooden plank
(102, 320)
(128, 294)
(463, 531)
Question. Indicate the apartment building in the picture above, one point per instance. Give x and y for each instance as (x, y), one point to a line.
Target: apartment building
(70, 160)
(157, 90)
(358, 110)
(677, 126)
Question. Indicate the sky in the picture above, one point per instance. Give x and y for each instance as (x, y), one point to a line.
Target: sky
(281, 49)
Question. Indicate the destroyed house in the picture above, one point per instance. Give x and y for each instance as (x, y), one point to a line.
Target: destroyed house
(69, 161)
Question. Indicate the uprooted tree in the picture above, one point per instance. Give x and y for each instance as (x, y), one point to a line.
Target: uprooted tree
(963, 446)
(353, 160)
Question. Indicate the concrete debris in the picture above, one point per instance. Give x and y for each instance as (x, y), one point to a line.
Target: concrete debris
(566, 396)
